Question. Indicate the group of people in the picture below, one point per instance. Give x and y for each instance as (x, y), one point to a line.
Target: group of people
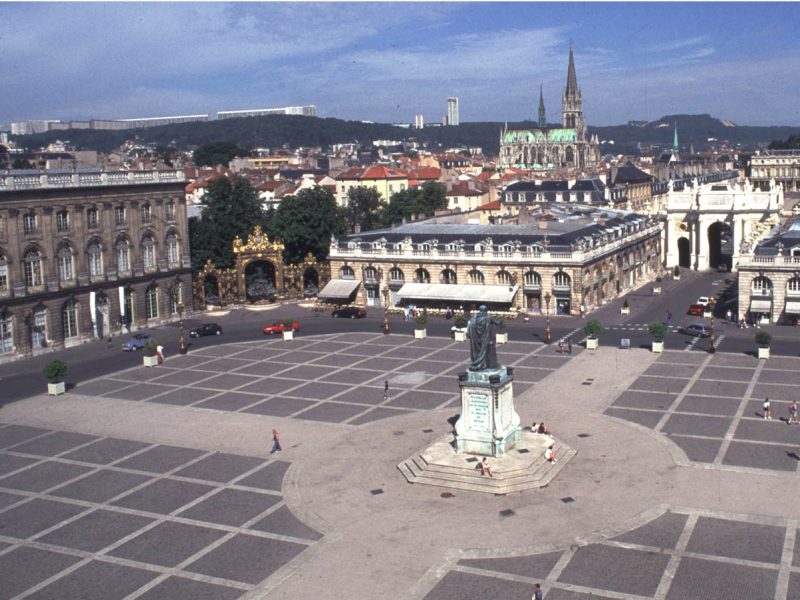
(539, 428)
(791, 409)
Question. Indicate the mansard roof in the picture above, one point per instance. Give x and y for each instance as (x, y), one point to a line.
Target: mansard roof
(630, 173)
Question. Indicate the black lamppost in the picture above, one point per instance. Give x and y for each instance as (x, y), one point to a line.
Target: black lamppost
(181, 339)
(548, 338)
(712, 347)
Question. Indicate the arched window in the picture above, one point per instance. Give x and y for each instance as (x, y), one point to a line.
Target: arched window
(478, 248)
(761, 286)
(396, 274)
(39, 322)
(452, 247)
(449, 276)
(370, 274)
(503, 278)
(561, 280)
(151, 301)
(65, 263)
(32, 268)
(172, 249)
(3, 274)
(532, 278)
(95, 259)
(422, 276)
(69, 319)
(535, 249)
(123, 253)
(423, 247)
(6, 333)
(793, 286)
(475, 276)
(148, 253)
(347, 272)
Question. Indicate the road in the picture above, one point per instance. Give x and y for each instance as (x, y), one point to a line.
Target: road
(24, 378)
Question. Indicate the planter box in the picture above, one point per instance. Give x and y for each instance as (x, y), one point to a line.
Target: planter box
(657, 290)
(592, 343)
(288, 335)
(420, 334)
(676, 277)
(56, 389)
(501, 338)
(460, 335)
(763, 352)
(625, 311)
(707, 314)
(658, 346)
(150, 361)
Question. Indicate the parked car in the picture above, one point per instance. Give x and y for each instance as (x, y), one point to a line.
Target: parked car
(696, 309)
(279, 327)
(704, 300)
(136, 342)
(206, 329)
(350, 312)
(696, 329)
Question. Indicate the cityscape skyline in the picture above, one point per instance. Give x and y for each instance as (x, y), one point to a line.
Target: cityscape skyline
(388, 63)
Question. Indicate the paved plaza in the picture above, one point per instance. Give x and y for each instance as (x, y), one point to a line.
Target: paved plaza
(158, 483)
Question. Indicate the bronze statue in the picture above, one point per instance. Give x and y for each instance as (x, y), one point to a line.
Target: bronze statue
(482, 341)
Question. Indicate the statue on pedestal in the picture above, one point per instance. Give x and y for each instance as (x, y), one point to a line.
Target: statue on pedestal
(482, 341)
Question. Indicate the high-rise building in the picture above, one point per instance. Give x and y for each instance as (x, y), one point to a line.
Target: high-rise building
(419, 121)
(452, 111)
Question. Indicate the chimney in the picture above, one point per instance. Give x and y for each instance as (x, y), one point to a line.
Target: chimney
(357, 228)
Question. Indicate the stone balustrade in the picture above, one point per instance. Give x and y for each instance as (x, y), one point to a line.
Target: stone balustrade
(755, 260)
(50, 180)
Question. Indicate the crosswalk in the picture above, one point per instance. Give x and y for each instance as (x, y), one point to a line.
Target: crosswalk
(638, 327)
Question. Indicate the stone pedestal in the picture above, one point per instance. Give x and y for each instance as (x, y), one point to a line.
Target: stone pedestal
(489, 425)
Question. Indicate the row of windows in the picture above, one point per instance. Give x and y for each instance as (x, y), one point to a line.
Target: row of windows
(31, 221)
(33, 261)
(762, 286)
(531, 278)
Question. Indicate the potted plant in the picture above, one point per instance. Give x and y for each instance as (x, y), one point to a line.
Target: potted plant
(288, 329)
(55, 372)
(460, 328)
(592, 328)
(626, 308)
(658, 331)
(150, 357)
(676, 273)
(501, 337)
(420, 321)
(763, 338)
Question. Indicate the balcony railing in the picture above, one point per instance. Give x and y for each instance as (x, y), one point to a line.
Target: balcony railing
(10, 181)
(771, 261)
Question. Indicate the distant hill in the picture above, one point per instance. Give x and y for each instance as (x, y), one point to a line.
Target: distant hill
(277, 130)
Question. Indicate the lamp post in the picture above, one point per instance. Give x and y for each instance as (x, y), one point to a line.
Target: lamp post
(181, 339)
(548, 338)
(712, 347)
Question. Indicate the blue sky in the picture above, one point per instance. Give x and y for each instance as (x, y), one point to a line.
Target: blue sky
(387, 62)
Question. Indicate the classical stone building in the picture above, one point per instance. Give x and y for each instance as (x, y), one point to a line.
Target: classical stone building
(574, 255)
(546, 148)
(781, 166)
(87, 254)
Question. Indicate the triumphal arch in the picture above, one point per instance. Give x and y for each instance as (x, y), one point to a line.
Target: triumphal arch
(710, 225)
(259, 275)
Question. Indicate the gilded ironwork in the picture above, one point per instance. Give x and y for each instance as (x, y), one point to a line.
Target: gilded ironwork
(257, 242)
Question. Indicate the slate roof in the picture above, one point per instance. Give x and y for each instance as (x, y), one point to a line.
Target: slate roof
(789, 238)
(630, 173)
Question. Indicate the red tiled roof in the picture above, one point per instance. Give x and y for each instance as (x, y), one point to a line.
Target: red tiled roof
(383, 172)
(495, 205)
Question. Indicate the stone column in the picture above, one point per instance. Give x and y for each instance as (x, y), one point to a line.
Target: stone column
(703, 249)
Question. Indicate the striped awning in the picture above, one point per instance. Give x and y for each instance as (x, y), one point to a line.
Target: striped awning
(760, 305)
(339, 289)
(498, 294)
(793, 308)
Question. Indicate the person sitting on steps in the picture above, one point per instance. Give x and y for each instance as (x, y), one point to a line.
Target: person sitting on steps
(486, 469)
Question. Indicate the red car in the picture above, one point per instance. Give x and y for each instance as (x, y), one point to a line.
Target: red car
(696, 309)
(280, 327)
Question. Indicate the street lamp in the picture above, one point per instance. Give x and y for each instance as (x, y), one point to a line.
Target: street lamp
(181, 339)
(712, 347)
(548, 338)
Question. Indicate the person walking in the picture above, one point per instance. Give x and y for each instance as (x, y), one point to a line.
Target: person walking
(767, 409)
(792, 412)
(569, 344)
(537, 592)
(669, 318)
(160, 353)
(276, 442)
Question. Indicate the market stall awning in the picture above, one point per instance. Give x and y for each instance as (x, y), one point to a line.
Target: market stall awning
(793, 307)
(502, 294)
(760, 305)
(339, 289)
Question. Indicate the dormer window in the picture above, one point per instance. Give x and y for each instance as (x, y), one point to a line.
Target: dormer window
(376, 245)
(352, 245)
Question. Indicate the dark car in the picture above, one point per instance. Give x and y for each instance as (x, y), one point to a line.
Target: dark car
(206, 329)
(136, 342)
(696, 329)
(350, 312)
(696, 309)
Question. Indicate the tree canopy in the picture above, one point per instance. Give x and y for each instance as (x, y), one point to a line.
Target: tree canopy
(217, 153)
(231, 207)
(414, 201)
(305, 223)
(363, 206)
(792, 143)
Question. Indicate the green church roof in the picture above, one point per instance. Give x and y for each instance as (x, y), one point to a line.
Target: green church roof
(539, 135)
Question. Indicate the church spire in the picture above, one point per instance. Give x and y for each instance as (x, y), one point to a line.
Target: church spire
(542, 118)
(675, 139)
(572, 80)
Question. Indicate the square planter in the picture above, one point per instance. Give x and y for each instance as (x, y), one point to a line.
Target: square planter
(460, 335)
(150, 361)
(501, 338)
(420, 334)
(592, 343)
(658, 346)
(288, 335)
(625, 311)
(763, 352)
(56, 389)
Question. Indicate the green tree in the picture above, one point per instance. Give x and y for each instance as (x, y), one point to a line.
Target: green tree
(363, 205)
(217, 153)
(431, 198)
(792, 143)
(231, 207)
(414, 201)
(305, 223)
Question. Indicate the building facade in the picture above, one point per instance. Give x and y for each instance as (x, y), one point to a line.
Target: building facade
(547, 148)
(452, 111)
(305, 111)
(84, 255)
(781, 166)
(553, 266)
